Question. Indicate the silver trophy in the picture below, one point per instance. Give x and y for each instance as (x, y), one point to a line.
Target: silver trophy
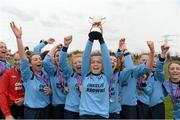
(95, 32)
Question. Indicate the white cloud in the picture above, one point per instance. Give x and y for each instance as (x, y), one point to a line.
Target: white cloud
(17, 12)
(137, 20)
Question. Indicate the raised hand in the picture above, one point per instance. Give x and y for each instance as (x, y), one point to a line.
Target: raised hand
(67, 40)
(122, 44)
(51, 40)
(164, 50)
(17, 31)
(152, 51)
(151, 46)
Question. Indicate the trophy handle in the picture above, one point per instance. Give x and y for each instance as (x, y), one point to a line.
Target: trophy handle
(103, 20)
(90, 20)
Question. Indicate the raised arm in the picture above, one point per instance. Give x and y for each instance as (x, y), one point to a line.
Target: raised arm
(63, 59)
(164, 50)
(159, 69)
(86, 57)
(121, 48)
(151, 55)
(127, 56)
(42, 44)
(107, 65)
(18, 33)
(142, 69)
(24, 63)
(48, 60)
(145, 68)
(106, 60)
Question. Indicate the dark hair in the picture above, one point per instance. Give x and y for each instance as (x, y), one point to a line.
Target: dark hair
(43, 54)
(119, 66)
(56, 52)
(112, 53)
(30, 56)
(27, 51)
(26, 48)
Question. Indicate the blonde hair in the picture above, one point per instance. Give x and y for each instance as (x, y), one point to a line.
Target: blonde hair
(74, 54)
(2, 42)
(96, 53)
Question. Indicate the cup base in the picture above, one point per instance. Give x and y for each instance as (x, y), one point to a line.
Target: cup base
(95, 35)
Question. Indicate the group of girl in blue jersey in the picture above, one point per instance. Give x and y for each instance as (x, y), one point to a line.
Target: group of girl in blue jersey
(98, 84)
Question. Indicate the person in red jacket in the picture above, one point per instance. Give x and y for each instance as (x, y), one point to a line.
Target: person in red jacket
(12, 92)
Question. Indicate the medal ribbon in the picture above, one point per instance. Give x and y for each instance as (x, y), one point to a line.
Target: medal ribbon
(110, 86)
(42, 78)
(174, 97)
(60, 77)
(2, 67)
(78, 82)
(139, 83)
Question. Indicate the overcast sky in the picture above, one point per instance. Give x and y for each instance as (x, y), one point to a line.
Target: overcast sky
(136, 20)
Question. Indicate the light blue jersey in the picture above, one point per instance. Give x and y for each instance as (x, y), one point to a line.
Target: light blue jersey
(57, 80)
(33, 84)
(95, 88)
(157, 79)
(144, 90)
(114, 104)
(73, 80)
(119, 77)
(128, 86)
(39, 47)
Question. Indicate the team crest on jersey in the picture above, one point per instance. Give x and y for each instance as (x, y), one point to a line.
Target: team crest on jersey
(41, 87)
(18, 86)
(124, 84)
